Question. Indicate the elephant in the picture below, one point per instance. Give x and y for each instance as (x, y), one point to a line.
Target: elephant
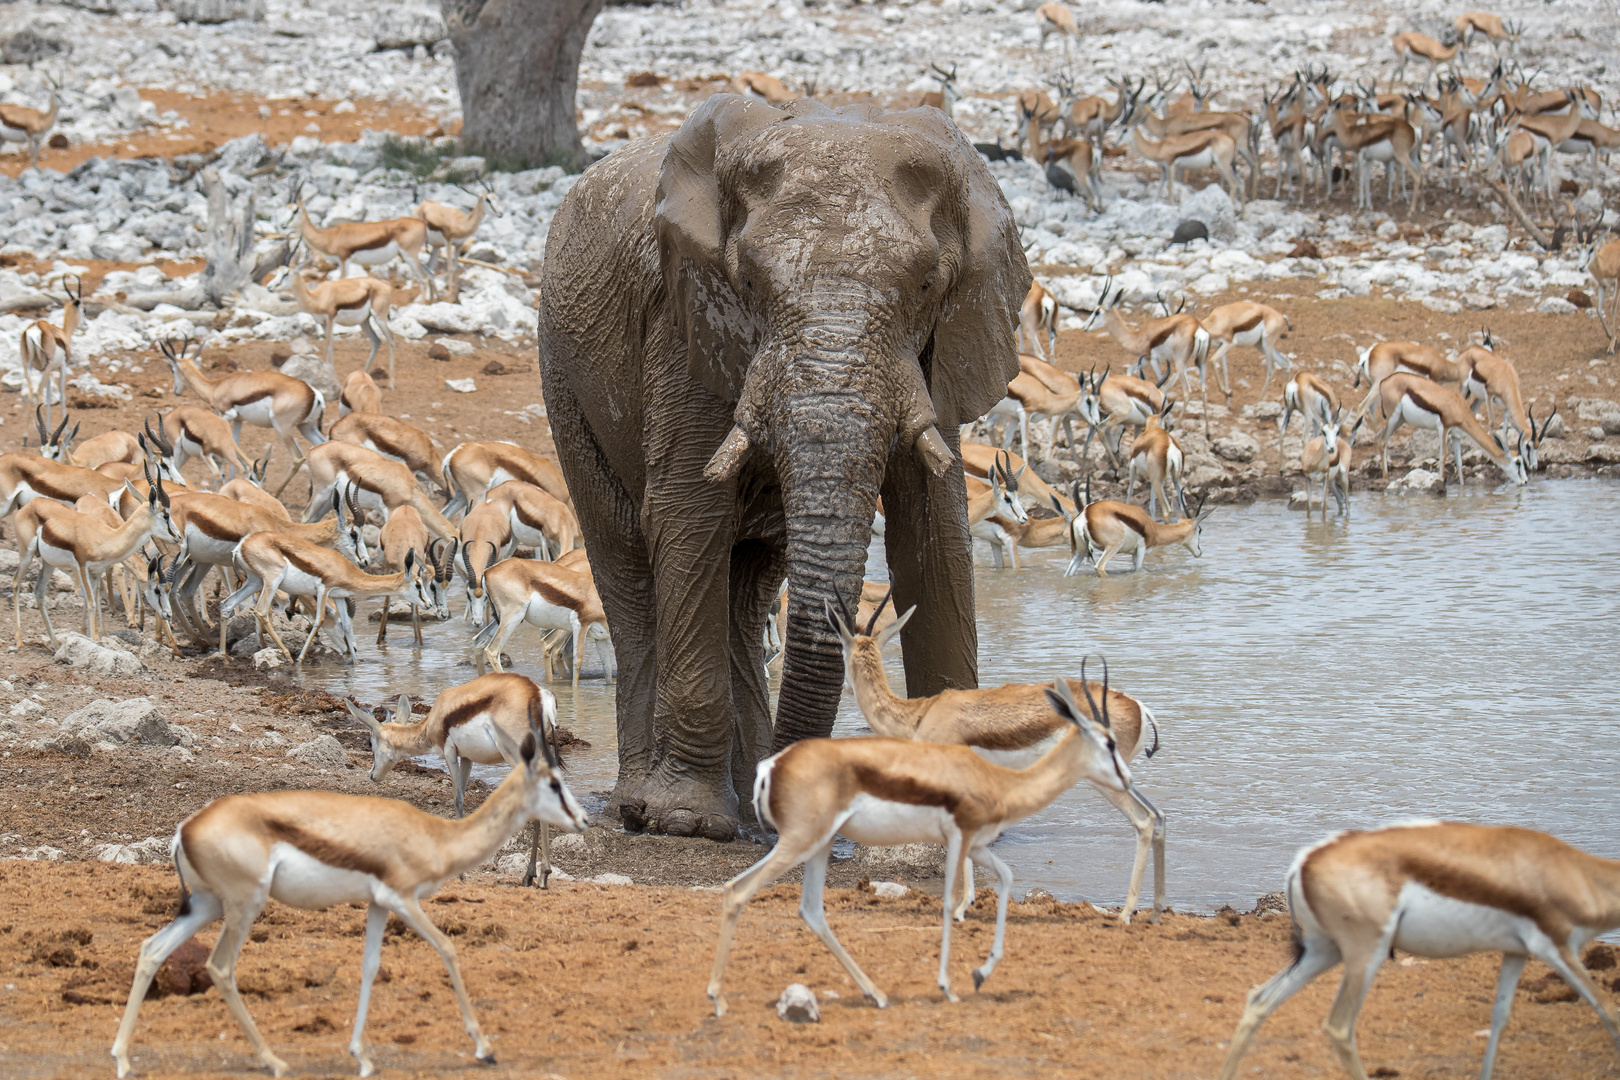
(750, 328)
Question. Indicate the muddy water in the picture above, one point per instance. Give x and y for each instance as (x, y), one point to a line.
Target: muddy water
(1423, 658)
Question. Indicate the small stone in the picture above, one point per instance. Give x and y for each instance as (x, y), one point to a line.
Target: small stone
(610, 879)
(271, 659)
(1268, 410)
(1596, 432)
(889, 890)
(1556, 305)
(313, 370)
(642, 78)
(344, 106)
(1556, 428)
(1603, 454)
(437, 351)
(461, 386)
(1039, 896)
(1478, 301)
(1578, 299)
(1299, 500)
(1272, 903)
(1421, 480)
(322, 752)
(454, 346)
(136, 720)
(27, 707)
(1236, 446)
(1442, 305)
(1611, 424)
(1305, 249)
(78, 651)
(797, 1005)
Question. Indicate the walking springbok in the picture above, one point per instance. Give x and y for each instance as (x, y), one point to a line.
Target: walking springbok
(882, 792)
(1157, 455)
(1483, 24)
(547, 597)
(1195, 150)
(1040, 390)
(358, 301)
(370, 243)
(1247, 323)
(1012, 726)
(461, 727)
(1179, 341)
(448, 227)
(315, 849)
(1412, 399)
(1440, 889)
(1111, 527)
(50, 348)
(261, 398)
(1411, 43)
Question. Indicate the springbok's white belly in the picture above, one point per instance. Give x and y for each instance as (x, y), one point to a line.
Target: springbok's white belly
(544, 615)
(301, 881)
(378, 255)
(296, 582)
(1204, 159)
(435, 238)
(879, 823)
(476, 740)
(523, 535)
(1416, 415)
(259, 413)
(1023, 757)
(352, 316)
(1430, 924)
(1379, 151)
(1250, 336)
(202, 548)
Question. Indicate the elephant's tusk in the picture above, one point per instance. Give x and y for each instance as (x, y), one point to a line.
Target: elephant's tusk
(931, 450)
(729, 458)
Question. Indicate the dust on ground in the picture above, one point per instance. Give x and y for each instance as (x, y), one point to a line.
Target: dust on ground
(584, 980)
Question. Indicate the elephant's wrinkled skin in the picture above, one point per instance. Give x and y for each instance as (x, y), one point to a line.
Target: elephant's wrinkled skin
(841, 287)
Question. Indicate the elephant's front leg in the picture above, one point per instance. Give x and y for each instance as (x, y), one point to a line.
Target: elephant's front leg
(690, 525)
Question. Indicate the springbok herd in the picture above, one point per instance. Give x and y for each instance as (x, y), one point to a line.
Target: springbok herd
(116, 513)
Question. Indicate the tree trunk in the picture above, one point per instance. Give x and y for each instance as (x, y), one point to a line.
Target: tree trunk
(517, 67)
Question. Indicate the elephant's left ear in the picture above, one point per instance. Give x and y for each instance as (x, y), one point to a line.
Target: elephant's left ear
(690, 220)
(975, 351)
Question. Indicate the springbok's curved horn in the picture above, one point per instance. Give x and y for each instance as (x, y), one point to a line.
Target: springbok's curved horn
(871, 626)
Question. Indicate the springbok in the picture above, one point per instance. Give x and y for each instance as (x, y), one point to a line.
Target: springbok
(19, 123)
(50, 348)
(1439, 889)
(461, 727)
(393, 439)
(1491, 378)
(472, 468)
(196, 432)
(1327, 456)
(1157, 454)
(448, 227)
(358, 301)
(261, 398)
(882, 792)
(370, 243)
(1178, 340)
(1412, 399)
(1012, 726)
(402, 534)
(360, 394)
(1211, 148)
(1111, 527)
(314, 849)
(546, 596)
(1247, 323)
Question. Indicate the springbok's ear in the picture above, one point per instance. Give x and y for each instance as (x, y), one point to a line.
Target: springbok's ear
(362, 715)
(690, 219)
(402, 709)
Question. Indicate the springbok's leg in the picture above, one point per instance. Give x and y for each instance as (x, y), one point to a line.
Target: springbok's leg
(1319, 955)
(412, 914)
(203, 908)
(740, 889)
(222, 970)
(376, 922)
(982, 855)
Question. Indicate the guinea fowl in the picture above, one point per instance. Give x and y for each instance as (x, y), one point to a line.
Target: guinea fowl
(996, 152)
(1059, 177)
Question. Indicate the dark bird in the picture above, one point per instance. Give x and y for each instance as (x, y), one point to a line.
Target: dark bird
(996, 152)
(1060, 178)
(1190, 230)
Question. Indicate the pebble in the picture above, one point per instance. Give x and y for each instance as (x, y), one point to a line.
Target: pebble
(797, 1005)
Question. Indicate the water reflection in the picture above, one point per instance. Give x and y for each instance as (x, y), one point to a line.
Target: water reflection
(1424, 657)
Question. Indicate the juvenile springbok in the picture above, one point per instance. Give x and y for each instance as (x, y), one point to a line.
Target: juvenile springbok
(1111, 527)
(1490, 378)
(472, 468)
(1252, 324)
(196, 432)
(261, 398)
(1439, 889)
(402, 534)
(358, 301)
(370, 243)
(1387, 357)
(997, 497)
(461, 727)
(1012, 726)
(1412, 399)
(883, 791)
(1157, 455)
(547, 597)
(374, 482)
(360, 394)
(1327, 457)
(49, 348)
(448, 227)
(314, 849)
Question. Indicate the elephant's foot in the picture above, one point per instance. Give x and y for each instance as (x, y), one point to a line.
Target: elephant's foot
(681, 805)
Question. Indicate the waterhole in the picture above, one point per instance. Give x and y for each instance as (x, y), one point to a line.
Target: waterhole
(1423, 657)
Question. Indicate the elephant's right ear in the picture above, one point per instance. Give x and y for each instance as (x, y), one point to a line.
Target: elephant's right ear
(691, 221)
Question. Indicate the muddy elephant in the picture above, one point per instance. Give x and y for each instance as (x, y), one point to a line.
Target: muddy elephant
(749, 329)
